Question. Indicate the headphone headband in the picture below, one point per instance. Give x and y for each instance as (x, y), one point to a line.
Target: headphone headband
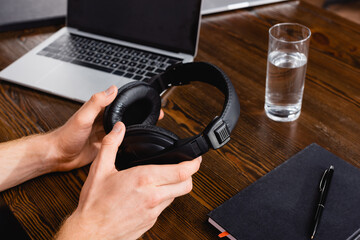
(219, 129)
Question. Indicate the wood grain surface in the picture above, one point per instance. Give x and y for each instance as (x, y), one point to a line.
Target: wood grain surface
(236, 42)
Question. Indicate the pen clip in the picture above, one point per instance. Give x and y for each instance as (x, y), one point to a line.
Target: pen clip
(322, 181)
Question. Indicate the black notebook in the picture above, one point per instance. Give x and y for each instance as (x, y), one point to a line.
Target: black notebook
(21, 14)
(282, 204)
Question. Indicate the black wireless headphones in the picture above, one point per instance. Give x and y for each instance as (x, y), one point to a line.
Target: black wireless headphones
(138, 105)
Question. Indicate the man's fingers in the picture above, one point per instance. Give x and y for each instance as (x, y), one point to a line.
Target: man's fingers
(172, 173)
(175, 190)
(161, 115)
(90, 110)
(109, 147)
(163, 194)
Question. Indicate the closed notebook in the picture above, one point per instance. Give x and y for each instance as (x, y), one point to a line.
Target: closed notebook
(282, 204)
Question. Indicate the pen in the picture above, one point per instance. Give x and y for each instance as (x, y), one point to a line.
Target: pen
(324, 189)
(355, 235)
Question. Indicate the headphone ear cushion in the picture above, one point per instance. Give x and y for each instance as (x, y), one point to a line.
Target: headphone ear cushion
(150, 129)
(141, 142)
(136, 103)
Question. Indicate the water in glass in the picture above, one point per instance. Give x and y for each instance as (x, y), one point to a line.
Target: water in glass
(284, 85)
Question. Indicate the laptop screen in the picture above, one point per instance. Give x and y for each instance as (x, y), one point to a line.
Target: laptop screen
(167, 24)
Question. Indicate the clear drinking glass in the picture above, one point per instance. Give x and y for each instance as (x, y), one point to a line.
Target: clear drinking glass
(286, 70)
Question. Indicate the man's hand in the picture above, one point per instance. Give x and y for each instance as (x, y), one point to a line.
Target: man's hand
(73, 145)
(78, 141)
(124, 204)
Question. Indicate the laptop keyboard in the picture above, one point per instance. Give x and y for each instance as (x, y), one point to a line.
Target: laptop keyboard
(108, 57)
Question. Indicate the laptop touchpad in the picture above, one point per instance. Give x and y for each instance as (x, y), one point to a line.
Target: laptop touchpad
(70, 80)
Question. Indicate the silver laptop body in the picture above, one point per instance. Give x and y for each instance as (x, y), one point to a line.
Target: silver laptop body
(67, 76)
(214, 6)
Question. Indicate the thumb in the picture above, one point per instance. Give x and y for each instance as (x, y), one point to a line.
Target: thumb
(105, 160)
(86, 115)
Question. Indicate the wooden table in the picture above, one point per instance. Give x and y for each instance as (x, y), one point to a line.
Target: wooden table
(236, 42)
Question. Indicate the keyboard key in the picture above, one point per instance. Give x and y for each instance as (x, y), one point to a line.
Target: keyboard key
(137, 77)
(65, 59)
(90, 65)
(172, 61)
(141, 66)
(140, 72)
(162, 59)
(131, 70)
(50, 49)
(114, 65)
(129, 75)
(144, 55)
(153, 57)
(150, 68)
(57, 56)
(123, 67)
(159, 70)
(150, 74)
(135, 53)
(118, 72)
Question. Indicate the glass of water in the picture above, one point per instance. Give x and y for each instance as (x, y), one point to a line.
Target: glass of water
(286, 70)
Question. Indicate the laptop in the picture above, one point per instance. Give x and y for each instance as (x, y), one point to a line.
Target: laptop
(109, 43)
(215, 6)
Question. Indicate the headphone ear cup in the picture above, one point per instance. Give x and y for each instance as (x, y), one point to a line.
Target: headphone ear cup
(141, 142)
(136, 103)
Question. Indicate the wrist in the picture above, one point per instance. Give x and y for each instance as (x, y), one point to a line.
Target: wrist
(54, 158)
(75, 228)
(69, 230)
(48, 156)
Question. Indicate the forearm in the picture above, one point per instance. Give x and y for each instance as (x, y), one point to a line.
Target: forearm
(24, 159)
